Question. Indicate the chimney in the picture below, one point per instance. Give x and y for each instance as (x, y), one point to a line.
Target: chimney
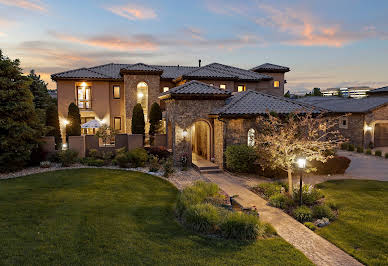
(199, 62)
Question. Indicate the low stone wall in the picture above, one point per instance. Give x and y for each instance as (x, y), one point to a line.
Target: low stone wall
(77, 143)
(160, 140)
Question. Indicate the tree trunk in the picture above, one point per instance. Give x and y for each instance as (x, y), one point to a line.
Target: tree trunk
(289, 171)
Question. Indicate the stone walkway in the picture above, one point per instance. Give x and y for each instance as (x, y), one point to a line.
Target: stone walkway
(316, 248)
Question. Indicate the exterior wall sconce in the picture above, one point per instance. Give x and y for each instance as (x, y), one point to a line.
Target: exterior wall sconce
(65, 122)
(83, 84)
(140, 95)
(184, 133)
(367, 128)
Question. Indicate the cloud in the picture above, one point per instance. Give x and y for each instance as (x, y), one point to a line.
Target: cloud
(133, 12)
(139, 42)
(194, 33)
(35, 5)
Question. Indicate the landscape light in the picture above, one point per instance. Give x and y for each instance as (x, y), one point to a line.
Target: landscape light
(301, 163)
(65, 122)
(64, 146)
(184, 133)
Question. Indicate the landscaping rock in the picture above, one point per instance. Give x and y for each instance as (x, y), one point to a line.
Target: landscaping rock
(322, 222)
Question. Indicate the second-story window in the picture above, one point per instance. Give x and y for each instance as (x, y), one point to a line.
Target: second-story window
(84, 97)
(276, 84)
(223, 86)
(241, 88)
(165, 89)
(116, 92)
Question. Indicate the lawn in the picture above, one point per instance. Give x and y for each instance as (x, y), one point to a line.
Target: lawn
(97, 217)
(362, 227)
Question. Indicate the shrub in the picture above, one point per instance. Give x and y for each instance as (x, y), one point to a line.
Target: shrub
(268, 189)
(168, 167)
(154, 163)
(368, 152)
(121, 150)
(241, 226)
(351, 147)
(332, 205)
(159, 151)
(386, 155)
(344, 146)
(121, 159)
(360, 149)
(240, 158)
(202, 218)
(280, 200)
(378, 153)
(302, 214)
(137, 157)
(45, 164)
(54, 157)
(90, 161)
(93, 153)
(320, 211)
(268, 172)
(138, 123)
(335, 165)
(310, 226)
(310, 195)
(74, 117)
(68, 157)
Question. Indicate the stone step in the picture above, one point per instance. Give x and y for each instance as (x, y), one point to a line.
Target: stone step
(211, 171)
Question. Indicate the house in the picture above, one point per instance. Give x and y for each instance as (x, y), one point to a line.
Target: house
(367, 122)
(352, 92)
(205, 108)
(379, 92)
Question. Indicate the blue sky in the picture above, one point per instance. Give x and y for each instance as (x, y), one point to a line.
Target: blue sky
(325, 43)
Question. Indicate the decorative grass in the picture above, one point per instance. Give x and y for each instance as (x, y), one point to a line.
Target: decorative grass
(113, 217)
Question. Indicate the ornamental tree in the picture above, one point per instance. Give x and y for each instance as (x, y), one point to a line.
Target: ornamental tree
(20, 130)
(74, 118)
(138, 123)
(106, 134)
(52, 123)
(281, 140)
(155, 121)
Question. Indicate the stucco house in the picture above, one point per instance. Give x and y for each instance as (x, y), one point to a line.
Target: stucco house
(205, 108)
(367, 122)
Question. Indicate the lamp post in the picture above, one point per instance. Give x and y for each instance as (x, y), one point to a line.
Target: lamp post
(301, 164)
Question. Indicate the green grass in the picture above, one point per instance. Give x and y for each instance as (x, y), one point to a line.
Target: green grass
(100, 217)
(362, 226)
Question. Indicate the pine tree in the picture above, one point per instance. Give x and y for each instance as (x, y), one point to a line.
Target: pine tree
(52, 122)
(74, 118)
(38, 87)
(138, 123)
(155, 120)
(287, 94)
(20, 129)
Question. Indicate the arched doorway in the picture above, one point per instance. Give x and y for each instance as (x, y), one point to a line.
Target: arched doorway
(201, 140)
(142, 98)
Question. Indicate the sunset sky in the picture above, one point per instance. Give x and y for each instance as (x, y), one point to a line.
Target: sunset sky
(327, 43)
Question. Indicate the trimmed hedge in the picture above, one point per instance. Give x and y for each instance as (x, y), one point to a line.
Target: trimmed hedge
(240, 158)
(335, 165)
(378, 153)
(320, 211)
(68, 157)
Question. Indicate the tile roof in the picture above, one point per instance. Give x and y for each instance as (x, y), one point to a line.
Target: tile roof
(196, 88)
(80, 73)
(271, 68)
(257, 103)
(220, 71)
(172, 72)
(383, 89)
(141, 67)
(345, 105)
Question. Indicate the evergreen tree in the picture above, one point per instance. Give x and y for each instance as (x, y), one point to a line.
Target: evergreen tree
(138, 123)
(20, 129)
(38, 87)
(52, 122)
(317, 92)
(287, 94)
(155, 121)
(74, 118)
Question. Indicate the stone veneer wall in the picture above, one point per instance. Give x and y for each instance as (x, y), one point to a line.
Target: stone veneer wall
(130, 85)
(182, 114)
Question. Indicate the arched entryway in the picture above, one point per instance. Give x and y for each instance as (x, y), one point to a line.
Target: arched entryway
(201, 139)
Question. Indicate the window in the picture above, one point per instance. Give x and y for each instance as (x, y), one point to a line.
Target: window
(223, 86)
(211, 84)
(84, 97)
(276, 84)
(343, 123)
(241, 88)
(165, 89)
(116, 92)
(117, 123)
(251, 137)
(142, 97)
(87, 131)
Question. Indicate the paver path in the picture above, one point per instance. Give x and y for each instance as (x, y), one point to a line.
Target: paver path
(316, 248)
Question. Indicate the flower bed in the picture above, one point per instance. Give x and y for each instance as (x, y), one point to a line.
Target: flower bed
(315, 210)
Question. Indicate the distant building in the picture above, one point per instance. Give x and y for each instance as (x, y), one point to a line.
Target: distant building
(352, 92)
(379, 92)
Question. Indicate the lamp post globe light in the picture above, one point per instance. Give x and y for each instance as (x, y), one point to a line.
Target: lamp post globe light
(301, 162)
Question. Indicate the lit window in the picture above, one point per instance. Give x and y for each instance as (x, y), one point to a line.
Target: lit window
(223, 86)
(240, 88)
(142, 97)
(276, 84)
(84, 101)
(251, 137)
(165, 89)
(211, 84)
(116, 92)
(117, 123)
(343, 122)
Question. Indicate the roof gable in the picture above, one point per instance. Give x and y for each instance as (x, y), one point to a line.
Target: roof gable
(268, 67)
(195, 88)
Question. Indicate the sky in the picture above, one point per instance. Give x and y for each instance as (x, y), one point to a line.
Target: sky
(331, 43)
